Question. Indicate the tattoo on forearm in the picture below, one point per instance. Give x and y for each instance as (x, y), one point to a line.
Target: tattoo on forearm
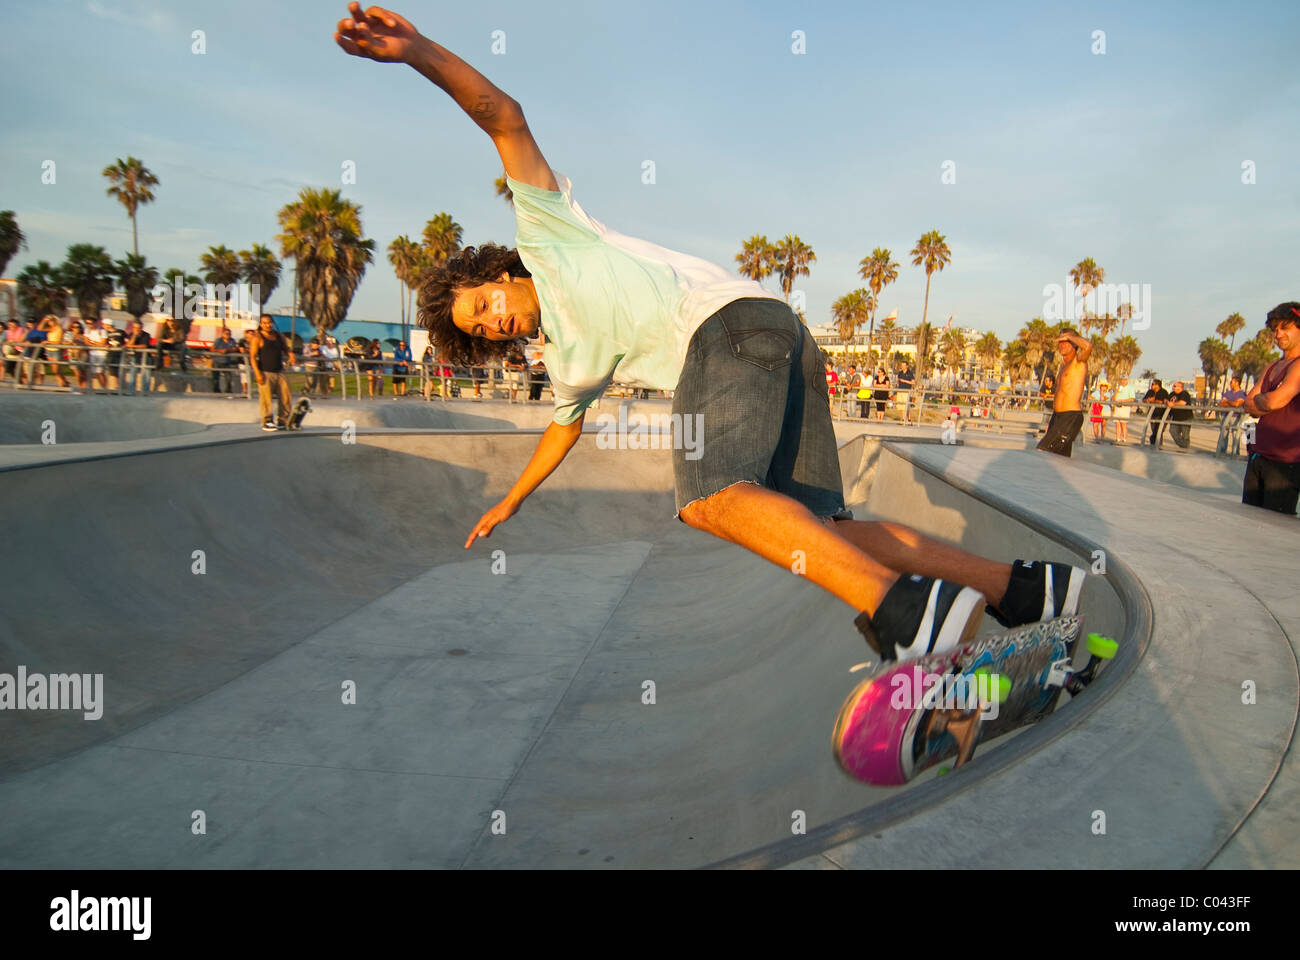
(485, 109)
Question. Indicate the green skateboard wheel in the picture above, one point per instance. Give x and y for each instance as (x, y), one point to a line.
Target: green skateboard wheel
(999, 690)
(1103, 647)
(943, 770)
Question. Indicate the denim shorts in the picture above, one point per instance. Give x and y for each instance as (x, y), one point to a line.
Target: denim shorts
(753, 375)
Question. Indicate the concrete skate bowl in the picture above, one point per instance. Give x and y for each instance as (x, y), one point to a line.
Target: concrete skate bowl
(294, 642)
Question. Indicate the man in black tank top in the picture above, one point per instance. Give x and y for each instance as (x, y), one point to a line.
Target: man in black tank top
(270, 356)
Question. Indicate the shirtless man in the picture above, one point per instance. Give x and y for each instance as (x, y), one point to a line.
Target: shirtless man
(769, 478)
(1067, 413)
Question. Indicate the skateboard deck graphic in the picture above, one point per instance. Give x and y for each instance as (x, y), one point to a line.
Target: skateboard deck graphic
(908, 717)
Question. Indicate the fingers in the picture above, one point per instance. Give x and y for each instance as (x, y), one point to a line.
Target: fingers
(387, 17)
(482, 530)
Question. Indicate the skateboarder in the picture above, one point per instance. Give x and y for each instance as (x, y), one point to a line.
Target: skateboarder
(767, 473)
(270, 355)
(1067, 410)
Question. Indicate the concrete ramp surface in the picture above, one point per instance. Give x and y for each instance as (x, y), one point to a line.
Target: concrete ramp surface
(522, 691)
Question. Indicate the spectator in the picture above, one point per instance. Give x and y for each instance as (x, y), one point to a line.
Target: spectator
(96, 340)
(1180, 415)
(115, 338)
(537, 380)
(329, 356)
(75, 340)
(136, 367)
(224, 357)
(33, 352)
(881, 392)
(374, 361)
(13, 350)
(311, 365)
(54, 338)
(1049, 388)
(270, 355)
(1157, 397)
(1273, 470)
(401, 368)
(1230, 429)
(429, 368)
(1098, 413)
(479, 375)
(1123, 398)
(855, 388)
(166, 342)
(832, 381)
(515, 365)
(906, 380)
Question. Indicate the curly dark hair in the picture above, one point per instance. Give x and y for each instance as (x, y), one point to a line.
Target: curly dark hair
(1288, 312)
(471, 267)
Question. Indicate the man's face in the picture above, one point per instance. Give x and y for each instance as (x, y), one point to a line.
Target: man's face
(225, 333)
(504, 310)
(135, 326)
(266, 326)
(1066, 349)
(1178, 386)
(1235, 383)
(1286, 336)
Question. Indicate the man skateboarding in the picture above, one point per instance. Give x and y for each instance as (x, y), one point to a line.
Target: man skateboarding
(1067, 410)
(270, 356)
(766, 475)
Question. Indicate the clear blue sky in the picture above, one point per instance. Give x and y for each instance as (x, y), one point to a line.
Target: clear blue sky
(1133, 157)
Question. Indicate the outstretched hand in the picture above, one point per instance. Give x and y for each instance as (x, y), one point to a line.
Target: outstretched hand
(502, 512)
(376, 34)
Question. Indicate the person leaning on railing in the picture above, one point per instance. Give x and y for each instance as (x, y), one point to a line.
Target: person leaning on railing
(136, 369)
(1230, 428)
(1273, 471)
(224, 349)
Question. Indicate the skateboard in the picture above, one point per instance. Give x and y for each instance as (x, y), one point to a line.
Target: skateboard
(908, 717)
(299, 412)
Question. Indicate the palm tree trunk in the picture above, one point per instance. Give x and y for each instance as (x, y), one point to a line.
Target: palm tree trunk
(135, 238)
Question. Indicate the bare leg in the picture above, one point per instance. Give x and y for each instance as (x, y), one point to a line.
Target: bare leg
(783, 531)
(905, 550)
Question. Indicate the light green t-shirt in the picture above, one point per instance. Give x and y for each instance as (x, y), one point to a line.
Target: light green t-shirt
(611, 303)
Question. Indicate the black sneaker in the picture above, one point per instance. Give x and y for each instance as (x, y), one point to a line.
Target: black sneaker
(1039, 591)
(921, 615)
(268, 426)
(281, 425)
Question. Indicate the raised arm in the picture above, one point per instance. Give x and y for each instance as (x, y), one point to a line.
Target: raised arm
(555, 445)
(379, 34)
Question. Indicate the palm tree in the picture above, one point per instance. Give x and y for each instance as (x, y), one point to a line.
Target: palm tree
(138, 280)
(407, 260)
(792, 257)
(1121, 357)
(131, 184)
(1216, 357)
(442, 240)
(924, 344)
(11, 241)
(932, 253)
(849, 312)
(888, 334)
(1037, 337)
(758, 259)
(1106, 324)
(952, 348)
(1230, 327)
(89, 273)
(879, 270)
(503, 189)
(1086, 274)
(260, 269)
(1251, 360)
(1125, 312)
(1148, 374)
(988, 349)
(221, 266)
(322, 233)
(1097, 359)
(42, 290)
(1016, 363)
